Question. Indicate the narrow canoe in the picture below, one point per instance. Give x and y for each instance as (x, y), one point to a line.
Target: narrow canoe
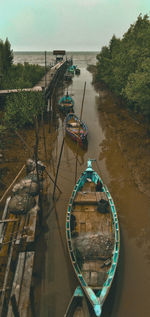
(76, 128)
(66, 103)
(93, 236)
(77, 71)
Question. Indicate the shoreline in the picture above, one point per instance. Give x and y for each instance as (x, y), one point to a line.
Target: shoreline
(132, 138)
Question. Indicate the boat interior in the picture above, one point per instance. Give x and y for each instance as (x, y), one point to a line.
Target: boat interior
(94, 228)
(74, 125)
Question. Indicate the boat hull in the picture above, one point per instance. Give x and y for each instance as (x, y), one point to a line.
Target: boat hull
(94, 263)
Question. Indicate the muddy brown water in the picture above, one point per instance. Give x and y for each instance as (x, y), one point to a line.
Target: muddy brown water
(53, 279)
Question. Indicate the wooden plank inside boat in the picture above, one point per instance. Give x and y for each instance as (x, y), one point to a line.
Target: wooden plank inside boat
(92, 224)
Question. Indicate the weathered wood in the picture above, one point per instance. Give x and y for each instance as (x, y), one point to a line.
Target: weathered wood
(86, 197)
(26, 283)
(8, 220)
(89, 197)
(32, 224)
(3, 218)
(20, 229)
(22, 282)
(6, 279)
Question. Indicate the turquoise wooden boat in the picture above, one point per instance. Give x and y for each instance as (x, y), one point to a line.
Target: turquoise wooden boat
(66, 103)
(71, 69)
(93, 237)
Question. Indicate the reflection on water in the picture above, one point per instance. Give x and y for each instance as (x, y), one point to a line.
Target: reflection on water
(77, 150)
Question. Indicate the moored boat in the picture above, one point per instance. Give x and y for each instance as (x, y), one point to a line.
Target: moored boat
(93, 237)
(77, 71)
(71, 69)
(76, 128)
(66, 103)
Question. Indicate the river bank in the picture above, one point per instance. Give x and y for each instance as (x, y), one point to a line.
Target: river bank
(132, 137)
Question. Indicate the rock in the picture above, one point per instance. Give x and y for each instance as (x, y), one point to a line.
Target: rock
(33, 176)
(94, 245)
(30, 165)
(21, 204)
(26, 186)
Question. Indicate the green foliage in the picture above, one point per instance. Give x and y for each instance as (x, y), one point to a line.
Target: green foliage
(124, 65)
(137, 89)
(17, 76)
(22, 76)
(22, 109)
(6, 56)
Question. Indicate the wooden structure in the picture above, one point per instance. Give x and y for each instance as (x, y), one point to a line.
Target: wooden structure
(47, 84)
(59, 55)
(17, 236)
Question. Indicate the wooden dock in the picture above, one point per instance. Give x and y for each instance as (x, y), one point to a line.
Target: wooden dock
(17, 250)
(47, 83)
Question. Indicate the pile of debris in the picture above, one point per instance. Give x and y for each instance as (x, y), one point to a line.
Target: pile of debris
(94, 245)
(24, 192)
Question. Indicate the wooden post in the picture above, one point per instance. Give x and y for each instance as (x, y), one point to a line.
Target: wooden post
(58, 167)
(44, 138)
(79, 131)
(45, 72)
(37, 170)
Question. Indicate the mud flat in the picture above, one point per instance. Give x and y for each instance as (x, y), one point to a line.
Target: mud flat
(133, 137)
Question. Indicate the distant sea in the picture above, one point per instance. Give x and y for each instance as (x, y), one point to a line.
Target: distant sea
(81, 59)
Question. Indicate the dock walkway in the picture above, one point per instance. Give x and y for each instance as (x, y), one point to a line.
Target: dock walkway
(48, 81)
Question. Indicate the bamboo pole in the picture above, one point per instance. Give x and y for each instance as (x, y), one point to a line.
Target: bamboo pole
(53, 181)
(79, 131)
(22, 139)
(58, 167)
(44, 138)
(36, 162)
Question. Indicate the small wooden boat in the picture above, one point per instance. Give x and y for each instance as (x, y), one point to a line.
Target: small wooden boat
(93, 237)
(77, 71)
(71, 69)
(66, 103)
(76, 128)
(78, 306)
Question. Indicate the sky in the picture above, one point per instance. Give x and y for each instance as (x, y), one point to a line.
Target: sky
(71, 25)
